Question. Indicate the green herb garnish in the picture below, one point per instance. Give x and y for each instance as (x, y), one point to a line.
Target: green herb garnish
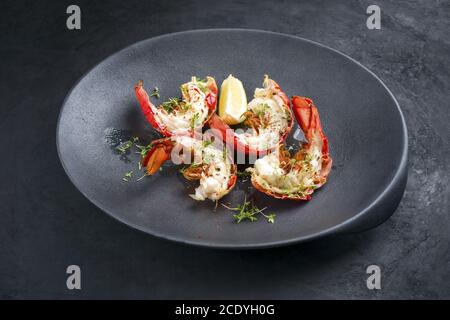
(260, 110)
(192, 165)
(194, 121)
(243, 174)
(155, 93)
(171, 105)
(200, 79)
(143, 150)
(184, 106)
(124, 147)
(225, 153)
(207, 143)
(270, 217)
(201, 83)
(127, 176)
(184, 90)
(249, 211)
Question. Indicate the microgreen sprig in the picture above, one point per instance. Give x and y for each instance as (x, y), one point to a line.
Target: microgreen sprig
(249, 211)
(127, 176)
(143, 150)
(124, 147)
(155, 93)
(194, 121)
(243, 174)
(170, 106)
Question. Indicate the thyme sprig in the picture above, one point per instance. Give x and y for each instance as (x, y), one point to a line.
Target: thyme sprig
(143, 150)
(249, 211)
(171, 105)
(155, 93)
(243, 174)
(127, 176)
(124, 147)
(194, 120)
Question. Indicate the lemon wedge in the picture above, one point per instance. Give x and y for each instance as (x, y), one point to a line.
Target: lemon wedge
(233, 101)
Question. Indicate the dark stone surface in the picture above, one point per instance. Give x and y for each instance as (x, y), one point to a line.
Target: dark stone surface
(47, 224)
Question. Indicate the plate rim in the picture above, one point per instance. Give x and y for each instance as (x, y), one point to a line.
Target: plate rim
(400, 170)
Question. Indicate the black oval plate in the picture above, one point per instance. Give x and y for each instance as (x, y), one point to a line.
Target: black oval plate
(360, 116)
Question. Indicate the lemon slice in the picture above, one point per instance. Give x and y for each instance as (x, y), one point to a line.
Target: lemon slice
(233, 101)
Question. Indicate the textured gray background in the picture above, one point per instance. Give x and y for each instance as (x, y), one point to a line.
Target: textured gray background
(46, 224)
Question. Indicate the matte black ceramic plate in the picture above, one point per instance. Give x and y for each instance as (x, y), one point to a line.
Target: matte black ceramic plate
(361, 118)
